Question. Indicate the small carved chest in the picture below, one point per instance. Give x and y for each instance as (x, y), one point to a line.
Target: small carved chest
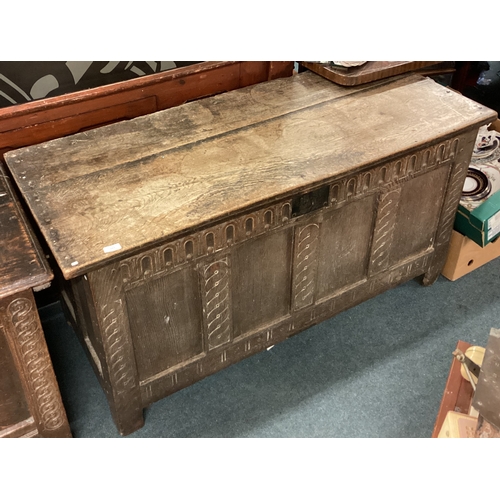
(194, 237)
(30, 403)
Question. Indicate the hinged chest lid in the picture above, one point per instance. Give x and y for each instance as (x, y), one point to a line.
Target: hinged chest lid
(111, 191)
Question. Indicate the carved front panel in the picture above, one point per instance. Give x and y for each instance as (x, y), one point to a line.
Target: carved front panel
(418, 214)
(165, 317)
(200, 292)
(345, 245)
(261, 281)
(167, 257)
(245, 346)
(389, 175)
(201, 302)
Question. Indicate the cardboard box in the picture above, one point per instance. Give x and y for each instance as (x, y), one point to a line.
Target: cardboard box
(480, 220)
(458, 425)
(464, 255)
(482, 224)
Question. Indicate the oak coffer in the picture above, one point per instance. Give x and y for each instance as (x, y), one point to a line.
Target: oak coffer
(194, 237)
(30, 403)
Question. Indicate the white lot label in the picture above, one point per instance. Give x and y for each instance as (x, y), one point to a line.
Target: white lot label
(112, 248)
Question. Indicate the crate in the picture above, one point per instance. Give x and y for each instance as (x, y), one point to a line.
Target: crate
(464, 256)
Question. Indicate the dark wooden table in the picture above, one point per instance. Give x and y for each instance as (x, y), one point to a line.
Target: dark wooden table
(30, 403)
(191, 238)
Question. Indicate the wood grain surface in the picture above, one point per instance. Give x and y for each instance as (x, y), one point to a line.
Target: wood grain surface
(22, 264)
(45, 119)
(108, 192)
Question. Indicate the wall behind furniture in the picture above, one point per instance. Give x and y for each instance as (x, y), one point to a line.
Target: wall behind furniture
(24, 81)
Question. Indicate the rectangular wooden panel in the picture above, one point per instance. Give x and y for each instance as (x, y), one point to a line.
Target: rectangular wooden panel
(13, 405)
(165, 313)
(418, 214)
(261, 281)
(345, 245)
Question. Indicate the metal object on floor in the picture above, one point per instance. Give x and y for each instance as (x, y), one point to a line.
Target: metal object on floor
(487, 396)
(471, 363)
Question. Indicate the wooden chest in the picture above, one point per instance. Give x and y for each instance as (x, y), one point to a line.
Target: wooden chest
(194, 237)
(30, 403)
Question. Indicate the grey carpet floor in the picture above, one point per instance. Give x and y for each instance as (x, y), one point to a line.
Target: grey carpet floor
(376, 370)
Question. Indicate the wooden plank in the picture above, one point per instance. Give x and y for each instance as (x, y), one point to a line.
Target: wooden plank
(457, 393)
(180, 126)
(100, 194)
(22, 264)
(171, 321)
(39, 132)
(42, 105)
(350, 262)
(261, 284)
(165, 90)
(487, 396)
